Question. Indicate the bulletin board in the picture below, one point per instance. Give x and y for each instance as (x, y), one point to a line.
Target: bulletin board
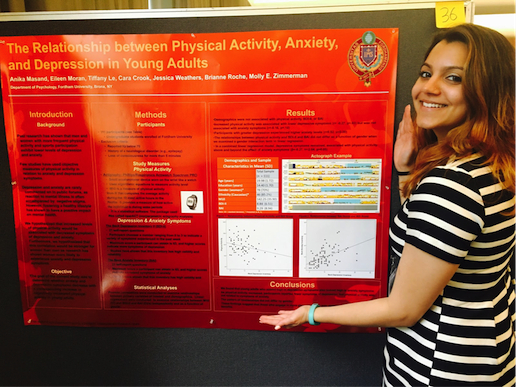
(200, 172)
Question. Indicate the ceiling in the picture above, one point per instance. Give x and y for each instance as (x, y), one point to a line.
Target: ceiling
(485, 7)
(497, 14)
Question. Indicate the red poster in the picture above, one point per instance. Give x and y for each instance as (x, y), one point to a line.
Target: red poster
(199, 180)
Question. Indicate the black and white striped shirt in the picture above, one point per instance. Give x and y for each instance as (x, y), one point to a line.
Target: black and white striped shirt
(458, 213)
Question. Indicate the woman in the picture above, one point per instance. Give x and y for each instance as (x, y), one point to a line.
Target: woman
(450, 311)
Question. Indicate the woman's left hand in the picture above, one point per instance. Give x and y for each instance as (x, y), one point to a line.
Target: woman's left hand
(405, 146)
(287, 318)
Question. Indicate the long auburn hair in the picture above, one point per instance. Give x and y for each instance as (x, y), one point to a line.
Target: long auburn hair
(488, 85)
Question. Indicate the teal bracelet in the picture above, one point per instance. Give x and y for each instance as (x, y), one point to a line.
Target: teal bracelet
(311, 314)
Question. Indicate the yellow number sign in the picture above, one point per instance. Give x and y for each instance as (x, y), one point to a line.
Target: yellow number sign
(449, 14)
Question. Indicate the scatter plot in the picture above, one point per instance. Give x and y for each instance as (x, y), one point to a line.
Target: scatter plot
(337, 248)
(256, 247)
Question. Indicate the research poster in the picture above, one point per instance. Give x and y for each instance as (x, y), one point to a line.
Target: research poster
(199, 180)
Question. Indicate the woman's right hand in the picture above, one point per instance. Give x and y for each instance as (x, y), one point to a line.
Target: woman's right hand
(405, 146)
(287, 318)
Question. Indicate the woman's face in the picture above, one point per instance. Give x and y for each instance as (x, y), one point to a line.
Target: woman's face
(438, 95)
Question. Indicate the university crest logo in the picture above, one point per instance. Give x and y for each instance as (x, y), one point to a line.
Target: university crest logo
(368, 57)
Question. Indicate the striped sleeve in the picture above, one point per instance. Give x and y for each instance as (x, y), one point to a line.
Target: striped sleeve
(446, 214)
